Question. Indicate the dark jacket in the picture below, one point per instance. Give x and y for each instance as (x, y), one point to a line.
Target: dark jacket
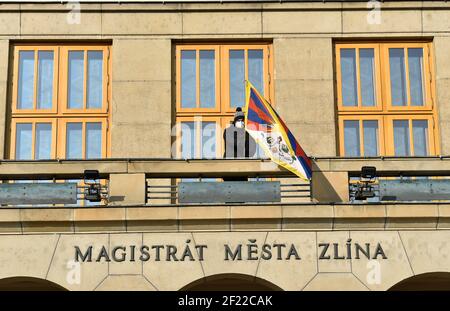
(238, 143)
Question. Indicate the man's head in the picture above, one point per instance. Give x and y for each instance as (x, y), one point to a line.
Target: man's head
(239, 118)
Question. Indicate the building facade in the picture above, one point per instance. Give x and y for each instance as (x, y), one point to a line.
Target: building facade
(142, 91)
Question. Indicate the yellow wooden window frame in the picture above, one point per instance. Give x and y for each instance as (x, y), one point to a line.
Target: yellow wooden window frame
(225, 61)
(385, 112)
(222, 123)
(390, 132)
(222, 74)
(15, 86)
(64, 77)
(197, 121)
(377, 78)
(427, 76)
(197, 50)
(33, 123)
(63, 137)
(60, 114)
(379, 119)
(222, 114)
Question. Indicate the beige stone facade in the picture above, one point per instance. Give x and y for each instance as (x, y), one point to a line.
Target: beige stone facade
(38, 245)
(142, 38)
(51, 257)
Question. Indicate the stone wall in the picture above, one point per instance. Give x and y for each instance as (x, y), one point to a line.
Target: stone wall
(142, 43)
(52, 257)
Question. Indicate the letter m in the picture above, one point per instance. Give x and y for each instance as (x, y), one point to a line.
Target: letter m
(79, 255)
(229, 253)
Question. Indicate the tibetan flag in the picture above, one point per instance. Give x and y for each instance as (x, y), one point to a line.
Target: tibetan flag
(271, 133)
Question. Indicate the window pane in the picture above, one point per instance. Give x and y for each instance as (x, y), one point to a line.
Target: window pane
(401, 137)
(351, 139)
(370, 128)
(348, 73)
(95, 79)
(76, 79)
(398, 80)
(43, 149)
(45, 80)
(415, 63)
(26, 80)
(74, 141)
(420, 135)
(93, 140)
(187, 140)
(23, 141)
(366, 67)
(237, 77)
(188, 79)
(255, 69)
(208, 140)
(207, 79)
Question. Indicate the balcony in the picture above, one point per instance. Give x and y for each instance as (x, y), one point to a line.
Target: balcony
(143, 195)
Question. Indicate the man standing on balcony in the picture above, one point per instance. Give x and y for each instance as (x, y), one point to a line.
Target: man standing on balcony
(238, 143)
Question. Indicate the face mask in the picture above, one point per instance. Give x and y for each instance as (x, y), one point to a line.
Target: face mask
(240, 124)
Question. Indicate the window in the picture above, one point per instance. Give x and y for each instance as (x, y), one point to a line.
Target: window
(411, 136)
(210, 85)
(199, 137)
(60, 104)
(361, 135)
(33, 139)
(385, 99)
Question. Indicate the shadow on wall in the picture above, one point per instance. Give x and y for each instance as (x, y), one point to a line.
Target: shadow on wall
(28, 284)
(325, 192)
(231, 282)
(433, 281)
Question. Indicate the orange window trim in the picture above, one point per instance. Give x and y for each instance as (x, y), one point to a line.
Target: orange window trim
(60, 114)
(222, 113)
(33, 122)
(384, 111)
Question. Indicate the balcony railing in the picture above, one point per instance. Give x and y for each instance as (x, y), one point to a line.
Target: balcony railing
(56, 192)
(214, 190)
(153, 182)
